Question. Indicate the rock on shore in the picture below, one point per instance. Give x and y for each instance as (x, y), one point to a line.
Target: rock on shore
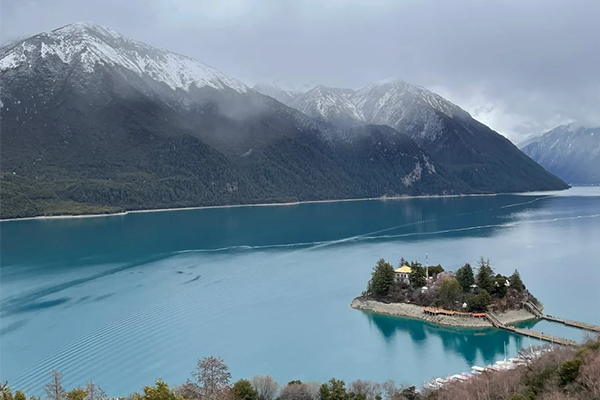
(414, 311)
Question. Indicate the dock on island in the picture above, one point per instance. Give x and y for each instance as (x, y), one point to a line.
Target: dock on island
(528, 332)
(493, 319)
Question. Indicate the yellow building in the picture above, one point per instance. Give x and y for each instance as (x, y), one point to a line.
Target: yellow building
(402, 274)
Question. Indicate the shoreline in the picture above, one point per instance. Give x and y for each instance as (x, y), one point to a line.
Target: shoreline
(416, 312)
(139, 211)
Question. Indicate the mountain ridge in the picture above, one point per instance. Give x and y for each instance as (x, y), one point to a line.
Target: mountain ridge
(570, 151)
(109, 124)
(444, 130)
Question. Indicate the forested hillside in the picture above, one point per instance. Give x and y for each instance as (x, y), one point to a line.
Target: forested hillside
(94, 122)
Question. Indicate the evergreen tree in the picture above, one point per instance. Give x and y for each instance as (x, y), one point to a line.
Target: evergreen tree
(19, 395)
(465, 277)
(500, 288)
(334, 390)
(76, 394)
(243, 390)
(435, 270)
(516, 282)
(382, 279)
(450, 292)
(479, 302)
(159, 392)
(417, 275)
(485, 275)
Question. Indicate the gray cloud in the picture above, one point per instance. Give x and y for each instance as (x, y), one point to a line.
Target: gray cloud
(519, 66)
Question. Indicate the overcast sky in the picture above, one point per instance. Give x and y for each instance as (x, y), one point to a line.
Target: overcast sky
(520, 66)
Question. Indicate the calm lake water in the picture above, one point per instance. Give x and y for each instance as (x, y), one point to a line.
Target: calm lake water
(124, 300)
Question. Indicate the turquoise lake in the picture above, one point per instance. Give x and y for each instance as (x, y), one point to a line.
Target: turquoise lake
(123, 300)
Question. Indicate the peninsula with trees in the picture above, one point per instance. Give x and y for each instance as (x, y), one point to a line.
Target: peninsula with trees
(455, 298)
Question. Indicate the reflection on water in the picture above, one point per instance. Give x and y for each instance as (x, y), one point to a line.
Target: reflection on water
(468, 343)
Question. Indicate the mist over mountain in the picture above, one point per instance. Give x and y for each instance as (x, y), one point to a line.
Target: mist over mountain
(571, 152)
(475, 153)
(93, 121)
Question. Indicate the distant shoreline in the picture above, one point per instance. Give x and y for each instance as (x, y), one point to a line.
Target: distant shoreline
(294, 203)
(416, 312)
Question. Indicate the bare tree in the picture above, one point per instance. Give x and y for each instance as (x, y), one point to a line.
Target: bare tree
(313, 389)
(265, 386)
(590, 376)
(94, 392)
(5, 391)
(188, 390)
(389, 389)
(54, 390)
(213, 377)
(370, 389)
(295, 391)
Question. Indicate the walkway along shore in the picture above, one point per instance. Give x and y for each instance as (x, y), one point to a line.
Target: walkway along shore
(450, 318)
(417, 312)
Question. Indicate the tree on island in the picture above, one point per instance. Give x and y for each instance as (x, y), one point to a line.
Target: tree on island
(500, 288)
(516, 282)
(485, 275)
(479, 302)
(382, 279)
(435, 270)
(450, 292)
(465, 277)
(417, 275)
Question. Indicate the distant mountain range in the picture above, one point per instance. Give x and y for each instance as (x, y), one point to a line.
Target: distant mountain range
(93, 121)
(571, 152)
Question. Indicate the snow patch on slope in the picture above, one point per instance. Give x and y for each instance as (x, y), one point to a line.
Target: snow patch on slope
(414, 175)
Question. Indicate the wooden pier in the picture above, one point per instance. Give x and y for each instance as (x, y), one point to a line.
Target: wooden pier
(576, 324)
(527, 332)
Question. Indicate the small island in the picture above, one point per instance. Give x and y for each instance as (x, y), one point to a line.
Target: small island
(465, 297)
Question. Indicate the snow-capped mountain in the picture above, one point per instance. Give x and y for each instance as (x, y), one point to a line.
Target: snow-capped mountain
(329, 104)
(447, 132)
(90, 46)
(94, 119)
(403, 105)
(571, 152)
(273, 90)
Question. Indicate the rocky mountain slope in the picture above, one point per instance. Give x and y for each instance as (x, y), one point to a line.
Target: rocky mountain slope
(94, 122)
(571, 152)
(486, 160)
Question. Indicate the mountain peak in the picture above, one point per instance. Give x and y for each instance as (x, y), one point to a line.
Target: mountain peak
(273, 90)
(85, 26)
(89, 46)
(391, 80)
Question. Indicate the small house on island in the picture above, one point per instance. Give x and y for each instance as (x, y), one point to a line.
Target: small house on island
(402, 274)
